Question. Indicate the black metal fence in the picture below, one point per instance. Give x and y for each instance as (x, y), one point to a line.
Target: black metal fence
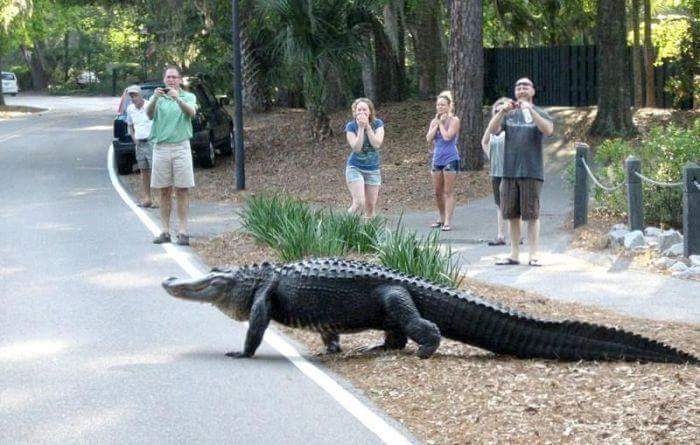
(563, 75)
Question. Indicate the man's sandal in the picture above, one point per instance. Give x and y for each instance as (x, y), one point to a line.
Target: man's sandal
(507, 262)
(497, 242)
(534, 263)
(446, 228)
(436, 225)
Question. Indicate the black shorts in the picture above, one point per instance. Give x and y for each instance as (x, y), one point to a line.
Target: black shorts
(496, 186)
(520, 198)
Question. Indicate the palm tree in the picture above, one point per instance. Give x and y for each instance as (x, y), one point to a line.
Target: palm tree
(314, 39)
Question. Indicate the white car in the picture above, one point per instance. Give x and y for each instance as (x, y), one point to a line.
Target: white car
(9, 83)
(86, 77)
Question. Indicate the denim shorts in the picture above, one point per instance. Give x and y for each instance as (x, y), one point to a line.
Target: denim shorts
(369, 177)
(452, 166)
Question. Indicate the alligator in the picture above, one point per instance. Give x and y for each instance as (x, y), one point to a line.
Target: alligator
(335, 296)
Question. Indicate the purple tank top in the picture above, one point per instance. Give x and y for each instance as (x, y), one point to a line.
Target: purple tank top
(445, 150)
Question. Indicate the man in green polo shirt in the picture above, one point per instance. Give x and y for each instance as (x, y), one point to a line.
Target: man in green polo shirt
(172, 111)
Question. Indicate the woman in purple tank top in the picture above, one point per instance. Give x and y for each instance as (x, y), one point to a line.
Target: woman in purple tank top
(443, 133)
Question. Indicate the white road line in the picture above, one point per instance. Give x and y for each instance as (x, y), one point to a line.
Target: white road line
(352, 404)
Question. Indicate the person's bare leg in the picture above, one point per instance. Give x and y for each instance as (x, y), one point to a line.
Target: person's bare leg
(166, 204)
(514, 238)
(449, 182)
(439, 187)
(371, 196)
(501, 224)
(183, 205)
(146, 186)
(357, 191)
(533, 237)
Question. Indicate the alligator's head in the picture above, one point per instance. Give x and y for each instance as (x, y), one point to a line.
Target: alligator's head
(207, 289)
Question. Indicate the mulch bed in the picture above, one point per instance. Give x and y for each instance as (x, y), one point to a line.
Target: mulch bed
(8, 111)
(467, 395)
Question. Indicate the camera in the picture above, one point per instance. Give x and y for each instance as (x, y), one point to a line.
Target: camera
(165, 90)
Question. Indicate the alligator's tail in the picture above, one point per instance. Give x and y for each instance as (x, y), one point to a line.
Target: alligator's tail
(512, 333)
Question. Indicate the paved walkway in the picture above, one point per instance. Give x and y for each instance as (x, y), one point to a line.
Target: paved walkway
(567, 275)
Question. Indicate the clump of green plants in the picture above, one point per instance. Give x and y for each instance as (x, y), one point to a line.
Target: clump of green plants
(296, 231)
(663, 153)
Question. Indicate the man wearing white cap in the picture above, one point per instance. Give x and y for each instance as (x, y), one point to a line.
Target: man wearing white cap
(140, 129)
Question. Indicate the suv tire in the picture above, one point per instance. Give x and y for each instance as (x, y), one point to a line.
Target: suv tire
(125, 165)
(206, 158)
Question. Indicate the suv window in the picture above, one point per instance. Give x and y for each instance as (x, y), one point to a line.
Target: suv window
(8, 76)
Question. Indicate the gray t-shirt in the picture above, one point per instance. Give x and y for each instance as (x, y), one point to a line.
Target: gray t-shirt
(522, 154)
(496, 154)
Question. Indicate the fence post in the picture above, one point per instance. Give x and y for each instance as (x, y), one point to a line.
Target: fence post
(635, 216)
(691, 210)
(581, 186)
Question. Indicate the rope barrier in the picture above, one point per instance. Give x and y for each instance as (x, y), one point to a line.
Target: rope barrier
(660, 184)
(590, 173)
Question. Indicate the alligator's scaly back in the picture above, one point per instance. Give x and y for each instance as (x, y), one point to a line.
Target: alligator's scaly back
(469, 319)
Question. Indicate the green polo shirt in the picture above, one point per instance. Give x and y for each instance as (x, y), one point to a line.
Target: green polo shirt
(170, 124)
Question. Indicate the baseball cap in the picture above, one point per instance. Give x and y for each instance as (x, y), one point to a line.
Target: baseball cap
(134, 89)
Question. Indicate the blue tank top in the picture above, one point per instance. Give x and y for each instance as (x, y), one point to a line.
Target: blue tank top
(445, 150)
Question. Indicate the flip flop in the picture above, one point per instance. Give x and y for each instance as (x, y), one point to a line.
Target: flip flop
(507, 262)
(446, 228)
(146, 205)
(534, 263)
(497, 242)
(436, 225)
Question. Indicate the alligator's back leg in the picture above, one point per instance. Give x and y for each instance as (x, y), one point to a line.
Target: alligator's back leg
(401, 312)
(393, 339)
(332, 342)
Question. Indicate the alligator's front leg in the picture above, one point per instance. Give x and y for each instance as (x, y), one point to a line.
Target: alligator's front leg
(258, 321)
(332, 342)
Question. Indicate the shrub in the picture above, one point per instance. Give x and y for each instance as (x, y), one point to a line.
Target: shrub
(296, 231)
(663, 153)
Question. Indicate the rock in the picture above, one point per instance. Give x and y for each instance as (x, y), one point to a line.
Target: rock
(664, 262)
(652, 231)
(617, 237)
(668, 238)
(678, 267)
(692, 272)
(651, 241)
(634, 239)
(620, 227)
(674, 250)
(694, 260)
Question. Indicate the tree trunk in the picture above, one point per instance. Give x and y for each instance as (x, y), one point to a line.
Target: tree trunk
(430, 58)
(254, 97)
(36, 68)
(614, 117)
(395, 29)
(649, 55)
(387, 69)
(369, 82)
(636, 58)
(466, 77)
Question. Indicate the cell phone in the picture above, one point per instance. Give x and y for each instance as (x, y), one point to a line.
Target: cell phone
(165, 90)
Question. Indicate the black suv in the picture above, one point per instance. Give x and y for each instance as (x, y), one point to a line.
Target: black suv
(212, 127)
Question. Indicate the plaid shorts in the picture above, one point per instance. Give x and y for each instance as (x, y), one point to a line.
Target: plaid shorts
(520, 198)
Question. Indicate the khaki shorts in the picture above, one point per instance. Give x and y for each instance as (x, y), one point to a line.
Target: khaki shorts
(144, 154)
(520, 198)
(172, 166)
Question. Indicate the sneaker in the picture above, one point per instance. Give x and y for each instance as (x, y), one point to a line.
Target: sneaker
(162, 238)
(183, 240)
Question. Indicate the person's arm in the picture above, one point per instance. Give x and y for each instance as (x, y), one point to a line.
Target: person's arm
(485, 141)
(356, 140)
(151, 107)
(376, 137)
(188, 109)
(432, 130)
(496, 121)
(132, 132)
(544, 125)
(449, 133)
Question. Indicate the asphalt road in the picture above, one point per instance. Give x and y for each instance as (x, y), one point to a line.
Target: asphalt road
(92, 349)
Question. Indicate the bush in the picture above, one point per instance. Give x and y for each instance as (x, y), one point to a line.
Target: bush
(296, 231)
(663, 153)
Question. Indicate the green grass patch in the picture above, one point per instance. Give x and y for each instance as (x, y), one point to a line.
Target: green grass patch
(296, 231)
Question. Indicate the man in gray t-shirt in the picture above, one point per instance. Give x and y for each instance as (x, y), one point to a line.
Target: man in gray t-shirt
(523, 167)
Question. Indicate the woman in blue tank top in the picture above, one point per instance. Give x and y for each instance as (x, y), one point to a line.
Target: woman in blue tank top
(365, 134)
(443, 133)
